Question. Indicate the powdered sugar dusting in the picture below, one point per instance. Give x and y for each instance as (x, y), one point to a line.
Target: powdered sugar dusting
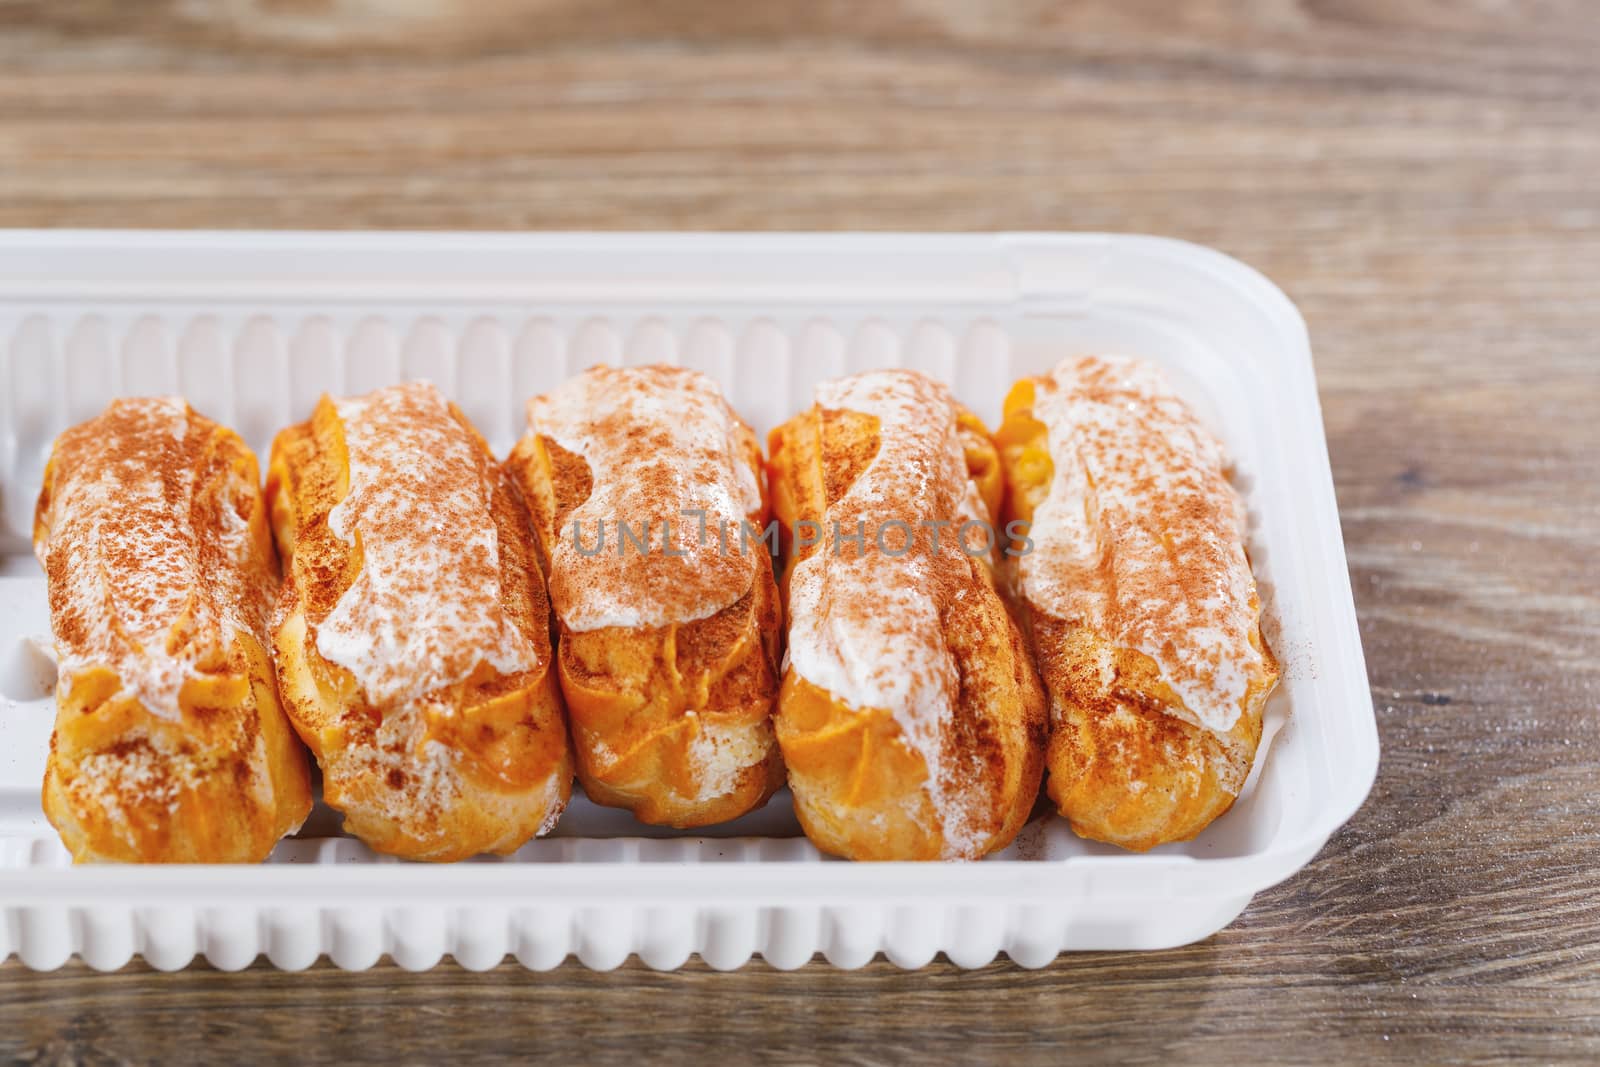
(554, 806)
(151, 562)
(426, 608)
(662, 447)
(720, 753)
(431, 769)
(866, 626)
(135, 777)
(418, 785)
(1142, 535)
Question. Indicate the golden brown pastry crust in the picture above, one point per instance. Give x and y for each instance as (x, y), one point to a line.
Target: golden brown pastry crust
(671, 721)
(863, 789)
(170, 745)
(1129, 763)
(480, 763)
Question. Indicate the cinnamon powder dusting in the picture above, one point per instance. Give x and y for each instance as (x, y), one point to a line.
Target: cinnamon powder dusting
(143, 531)
(1142, 535)
(426, 608)
(867, 619)
(664, 455)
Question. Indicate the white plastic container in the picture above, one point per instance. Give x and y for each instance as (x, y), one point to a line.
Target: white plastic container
(252, 327)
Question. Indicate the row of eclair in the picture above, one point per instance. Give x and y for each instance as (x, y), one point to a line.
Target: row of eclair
(453, 637)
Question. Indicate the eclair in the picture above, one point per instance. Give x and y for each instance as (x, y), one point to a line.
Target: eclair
(645, 489)
(170, 744)
(1139, 597)
(911, 719)
(413, 632)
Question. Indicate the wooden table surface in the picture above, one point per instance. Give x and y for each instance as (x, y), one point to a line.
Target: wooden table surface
(1423, 179)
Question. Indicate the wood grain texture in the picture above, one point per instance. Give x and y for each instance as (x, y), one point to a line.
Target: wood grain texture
(1420, 177)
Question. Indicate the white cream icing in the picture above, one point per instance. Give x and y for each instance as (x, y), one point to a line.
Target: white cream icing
(662, 447)
(426, 607)
(1141, 535)
(865, 626)
(121, 520)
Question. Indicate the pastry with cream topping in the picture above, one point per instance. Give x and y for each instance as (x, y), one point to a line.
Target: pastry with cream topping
(911, 718)
(1140, 599)
(413, 633)
(645, 489)
(170, 745)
